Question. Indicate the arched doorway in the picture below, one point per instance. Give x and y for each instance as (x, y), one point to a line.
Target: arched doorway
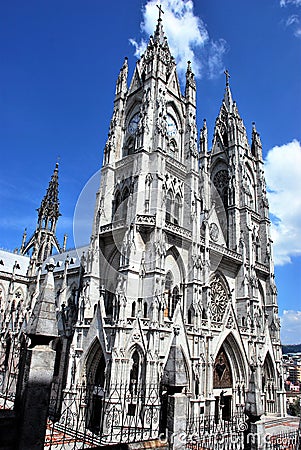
(229, 379)
(222, 384)
(268, 385)
(96, 367)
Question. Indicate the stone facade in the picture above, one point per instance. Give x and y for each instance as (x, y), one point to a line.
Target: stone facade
(176, 290)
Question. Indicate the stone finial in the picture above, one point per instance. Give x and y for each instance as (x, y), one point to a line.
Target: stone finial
(42, 326)
(254, 408)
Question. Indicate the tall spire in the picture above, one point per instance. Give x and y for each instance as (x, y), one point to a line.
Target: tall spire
(48, 212)
(44, 239)
(228, 96)
(157, 57)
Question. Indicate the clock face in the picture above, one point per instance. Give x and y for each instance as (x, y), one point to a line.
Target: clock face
(133, 124)
(213, 231)
(171, 127)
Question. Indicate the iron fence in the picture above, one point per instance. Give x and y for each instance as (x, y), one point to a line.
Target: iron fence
(211, 432)
(10, 351)
(90, 416)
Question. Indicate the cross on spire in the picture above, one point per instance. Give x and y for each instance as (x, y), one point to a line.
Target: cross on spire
(227, 77)
(160, 10)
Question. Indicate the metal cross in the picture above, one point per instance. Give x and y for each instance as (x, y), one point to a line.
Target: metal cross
(160, 10)
(227, 77)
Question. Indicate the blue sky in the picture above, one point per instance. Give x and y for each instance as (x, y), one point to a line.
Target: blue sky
(59, 63)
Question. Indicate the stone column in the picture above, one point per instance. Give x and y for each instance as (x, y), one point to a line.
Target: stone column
(254, 434)
(36, 378)
(176, 421)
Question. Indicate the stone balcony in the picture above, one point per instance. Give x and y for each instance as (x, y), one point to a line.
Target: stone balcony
(145, 221)
(177, 230)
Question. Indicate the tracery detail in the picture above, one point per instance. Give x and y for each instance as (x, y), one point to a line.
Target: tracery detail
(219, 300)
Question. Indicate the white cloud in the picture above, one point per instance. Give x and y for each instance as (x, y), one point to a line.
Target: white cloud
(215, 60)
(292, 20)
(290, 2)
(283, 176)
(187, 37)
(297, 32)
(291, 327)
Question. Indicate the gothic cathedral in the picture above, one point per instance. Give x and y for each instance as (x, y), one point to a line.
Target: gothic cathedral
(173, 305)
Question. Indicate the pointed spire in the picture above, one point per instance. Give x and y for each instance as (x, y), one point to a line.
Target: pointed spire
(48, 212)
(42, 326)
(228, 96)
(190, 81)
(24, 239)
(256, 146)
(121, 83)
(157, 59)
(159, 33)
(44, 239)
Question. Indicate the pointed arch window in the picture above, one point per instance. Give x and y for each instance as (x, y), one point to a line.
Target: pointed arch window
(109, 303)
(168, 206)
(100, 372)
(134, 373)
(190, 315)
(172, 148)
(96, 404)
(168, 281)
(222, 375)
(168, 287)
(257, 249)
(177, 209)
(129, 147)
(124, 202)
(145, 310)
(174, 299)
(116, 205)
(133, 312)
(221, 182)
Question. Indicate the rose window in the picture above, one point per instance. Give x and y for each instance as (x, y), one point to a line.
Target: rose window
(219, 300)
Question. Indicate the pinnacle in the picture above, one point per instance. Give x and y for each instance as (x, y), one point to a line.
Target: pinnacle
(50, 204)
(159, 32)
(228, 96)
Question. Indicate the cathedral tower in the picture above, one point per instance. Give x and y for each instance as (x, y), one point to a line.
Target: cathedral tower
(178, 301)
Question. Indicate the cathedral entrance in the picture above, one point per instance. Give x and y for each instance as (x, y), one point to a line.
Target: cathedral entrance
(222, 385)
(95, 388)
(97, 396)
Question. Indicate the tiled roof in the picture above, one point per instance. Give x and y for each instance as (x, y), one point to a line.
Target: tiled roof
(8, 260)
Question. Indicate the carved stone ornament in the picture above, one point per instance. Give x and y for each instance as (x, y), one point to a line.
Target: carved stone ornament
(219, 300)
(213, 231)
(230, 321)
